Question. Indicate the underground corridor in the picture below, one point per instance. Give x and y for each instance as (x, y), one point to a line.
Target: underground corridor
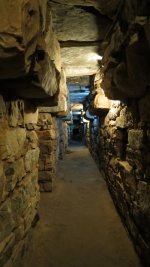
(75, 133)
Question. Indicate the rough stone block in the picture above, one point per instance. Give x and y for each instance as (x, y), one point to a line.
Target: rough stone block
(2, 181)
(44, 119)
(128, 177)
(7, 220)
(126, 166)
(14, 114)
(19, 32)
(33, 138)
(46, 147)
(30, 113)
(14, 173)
(11, 142)
(2, 109)
(17, 253)
(47, 134)
(125, 119)
(144, 108)
(30, 184)
(144, 198)
(48, 187)
(6, 248)
(46, 176)
(31, 159)
(135, 139)
(20, 201)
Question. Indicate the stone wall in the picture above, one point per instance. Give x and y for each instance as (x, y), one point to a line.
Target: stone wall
(62, 130)
(120, 144)
(48, 146)
(19, 190)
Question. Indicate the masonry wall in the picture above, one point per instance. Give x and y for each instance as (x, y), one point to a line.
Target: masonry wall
(19, 190)
(62, 137)
(120, 143)
(47, 136)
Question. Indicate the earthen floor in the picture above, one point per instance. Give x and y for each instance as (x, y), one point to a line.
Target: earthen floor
(79, 225)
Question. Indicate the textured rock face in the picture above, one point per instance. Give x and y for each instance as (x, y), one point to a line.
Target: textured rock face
(105, 7)
(19, 34)
(80, 31)
(71, 20)
(48, 144)
(119, 142)
(125, 71)
(19, 190)
(30, 48)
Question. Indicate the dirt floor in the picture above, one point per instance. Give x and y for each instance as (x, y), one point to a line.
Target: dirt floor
(79, 226)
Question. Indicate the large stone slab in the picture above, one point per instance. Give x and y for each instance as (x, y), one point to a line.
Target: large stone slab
(105, 7)
(79, 61)
(69, 22)
(19, 32)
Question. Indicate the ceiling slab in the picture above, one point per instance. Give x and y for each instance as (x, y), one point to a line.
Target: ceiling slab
(79, 61)
(104, 6)
(76, 24)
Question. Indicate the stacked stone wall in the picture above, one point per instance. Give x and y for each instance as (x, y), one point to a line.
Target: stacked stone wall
(120, 144)
(62, 129)
(48, 146)
(19, 190)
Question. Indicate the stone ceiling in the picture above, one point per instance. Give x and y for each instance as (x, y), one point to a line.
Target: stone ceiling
(81, 26)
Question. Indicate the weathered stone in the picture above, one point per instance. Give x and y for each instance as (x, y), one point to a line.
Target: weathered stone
(73, 64)
(2, 109)
(105, 8)
(144, 198)
(68, 28)
(114, 164)
(2, 180)
(20, 202)
(11, 142)
(53, 47)
(30, 113)
(7, 221)
(44, 119)
(19, 32)
(33, 138)
(31, 159)
(47, 186)
(46, 176)
(137, 55)
(119, 149)
(29, 218)
(6, 248)
(134, 157)
(47, 135)
(46, 147)
(147, 173)
(125, 118)
(141, 221)
(16, 254)
(135, 139)
(144, 108)
(101, 102)
(13, 118)
(126, 166)
(128, 177)
(127, 85)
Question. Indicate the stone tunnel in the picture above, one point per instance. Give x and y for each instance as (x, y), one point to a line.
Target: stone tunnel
(73, 71)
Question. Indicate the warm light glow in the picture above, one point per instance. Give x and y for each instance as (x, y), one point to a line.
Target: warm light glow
(94, 57)
(102, 91)
(115, 104)
(113, 110)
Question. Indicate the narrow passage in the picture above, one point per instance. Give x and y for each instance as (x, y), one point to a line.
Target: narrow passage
(79, 226)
